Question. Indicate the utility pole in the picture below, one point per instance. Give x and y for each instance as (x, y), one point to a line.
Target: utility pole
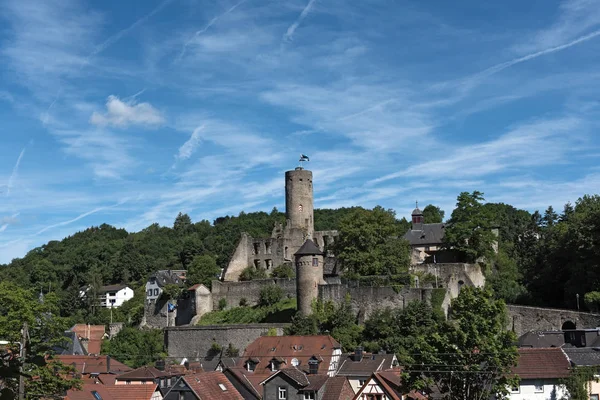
(22, 354)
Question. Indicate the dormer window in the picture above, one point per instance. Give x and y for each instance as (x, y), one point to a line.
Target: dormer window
(313, 366)
(250, 365)
(274, 365)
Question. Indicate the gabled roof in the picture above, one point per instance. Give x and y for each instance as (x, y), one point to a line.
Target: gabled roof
(112, 288)
(430, 234)
(366, 366)
(293, 373)
(584, 356)
(70, 346)
(542, 363)
(291, 349)
(388, 381)
(145, 374)
(112, 392)
(93, 334)
(169, 277)
(212, 385)
(309, 248)
(94, 364)
(338, 388)
(248, 380)
(542, 339)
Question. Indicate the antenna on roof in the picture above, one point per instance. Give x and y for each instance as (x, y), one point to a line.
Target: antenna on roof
(417, 204)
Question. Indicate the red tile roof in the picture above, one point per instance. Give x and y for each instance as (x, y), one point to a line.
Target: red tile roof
(542, 363)
(338, 388)
(93, 334)
(212, 385)
(94, 364)
(119, 392)
(249, 379)
(147, 374)
(301, 348)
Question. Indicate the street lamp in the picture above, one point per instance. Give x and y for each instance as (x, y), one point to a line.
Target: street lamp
(577, 296)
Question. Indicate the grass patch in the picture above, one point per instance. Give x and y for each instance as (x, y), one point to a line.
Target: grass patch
(277, 313)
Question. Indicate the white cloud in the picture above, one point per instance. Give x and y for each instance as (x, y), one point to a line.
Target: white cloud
(122, 114)
(292, 28)
(187, 149)
(13, 175)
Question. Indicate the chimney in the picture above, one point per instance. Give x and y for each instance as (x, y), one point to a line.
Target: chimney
(160, 365)
(358, 354)
(107, 364)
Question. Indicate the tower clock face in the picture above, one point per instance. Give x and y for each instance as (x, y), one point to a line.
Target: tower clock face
(300, 208)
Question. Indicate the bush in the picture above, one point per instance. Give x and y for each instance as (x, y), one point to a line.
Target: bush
(251, 273)
(592, 301)
(222, 304)
(283, 271)
(232, 351)
(243, 302)
(171, 292)
(270, 295)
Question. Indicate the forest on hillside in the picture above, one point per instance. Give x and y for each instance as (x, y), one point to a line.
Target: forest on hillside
(545, 259)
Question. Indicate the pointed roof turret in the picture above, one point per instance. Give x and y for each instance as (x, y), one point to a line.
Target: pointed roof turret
(309, 248)
(417, 210)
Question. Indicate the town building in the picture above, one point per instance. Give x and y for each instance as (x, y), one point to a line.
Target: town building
(92, 391)
(157, 282)
(95, 369)
(212, 385)
(110, 296)
(385, 385)
(358, 367)
(542, 372)
(319, 354)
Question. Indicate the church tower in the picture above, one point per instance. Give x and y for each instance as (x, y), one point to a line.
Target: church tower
(309, 275)
(299, 202)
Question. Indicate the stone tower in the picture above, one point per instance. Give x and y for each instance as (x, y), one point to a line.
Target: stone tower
(299, 201)
(309, 275)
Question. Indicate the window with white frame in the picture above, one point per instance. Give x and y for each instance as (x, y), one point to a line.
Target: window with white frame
(282, 393)
(538, 386)
(309, 396)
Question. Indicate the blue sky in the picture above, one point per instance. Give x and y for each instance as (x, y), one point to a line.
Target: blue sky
(130, 112)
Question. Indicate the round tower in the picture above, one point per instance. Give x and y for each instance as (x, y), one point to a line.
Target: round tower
(299, 201)
(309, 275)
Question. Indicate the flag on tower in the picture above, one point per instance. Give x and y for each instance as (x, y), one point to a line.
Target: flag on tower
(304, 157)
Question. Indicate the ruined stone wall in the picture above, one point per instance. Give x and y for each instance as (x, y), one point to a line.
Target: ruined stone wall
(522, 319)
(239, 259)
(366, 299)
(453, 276)
(195, 341)
(233, 292)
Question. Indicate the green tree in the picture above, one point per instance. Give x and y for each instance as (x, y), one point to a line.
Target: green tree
(283, 271)
(270, 295)
(504, 277)
(592, 301)
(369, 243)
(471, 355)
(469, 229)
(250, 273)
(182, 223)
(135, 347)
(433, 214)
(204, 270)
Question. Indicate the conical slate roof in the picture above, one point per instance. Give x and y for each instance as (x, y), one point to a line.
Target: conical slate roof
(309, 248)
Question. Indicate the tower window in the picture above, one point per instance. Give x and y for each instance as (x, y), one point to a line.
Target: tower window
(315, 262)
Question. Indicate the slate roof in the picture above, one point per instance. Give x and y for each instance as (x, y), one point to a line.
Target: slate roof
(112, 392)
(94, 364)
(293, 373)
(249, 380)
(370, 363)
(542, 363)
(542, 339)
(338, 388)
(94, 335)
(212, 386)
(302, 348)
(430, 234)
(584, 356)
(309, 248)
(70, 346)
(417, 211)
(316, 382)
(169, 277)
(111, 288)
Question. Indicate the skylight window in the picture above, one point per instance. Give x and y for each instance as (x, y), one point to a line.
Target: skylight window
(223, 388)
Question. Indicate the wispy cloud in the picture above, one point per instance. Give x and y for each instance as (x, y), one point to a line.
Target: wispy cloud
(122, 114)
(15, 171)
(187, 149)
(80, 216)
(213, 21)
(289, 34)
(6, 221)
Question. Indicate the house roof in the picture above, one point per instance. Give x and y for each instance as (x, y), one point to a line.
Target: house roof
(293, 373)
(330, 266)
(542, 363)
(70, 346)
(542, 339)
(145, 373)
(112, 392)
(583, 356)
(111, 288)
(169, 277)
(309, 248)
(300, 348)
(427, 235)
(94, 334)
(249, 380)
(94, 364)
(316, 382)
(366, 366)
(417, 211)
(212, 385)
(388, 381)
(338, 388)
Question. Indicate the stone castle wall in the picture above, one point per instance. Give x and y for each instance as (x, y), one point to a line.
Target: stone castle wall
(523, 319)
(453, 276)
(195, 341)
(233, 292)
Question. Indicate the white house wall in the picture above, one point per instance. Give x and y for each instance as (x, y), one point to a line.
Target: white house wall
(551, 390)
